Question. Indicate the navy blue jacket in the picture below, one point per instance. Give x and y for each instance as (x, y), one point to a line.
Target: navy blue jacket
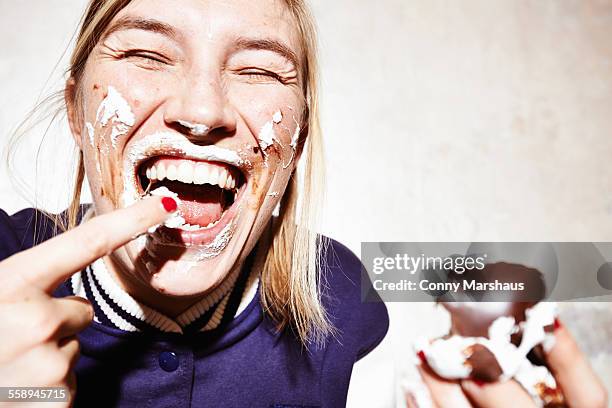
(249, 363)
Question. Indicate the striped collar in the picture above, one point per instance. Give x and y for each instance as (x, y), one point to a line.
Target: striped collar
(116, 308)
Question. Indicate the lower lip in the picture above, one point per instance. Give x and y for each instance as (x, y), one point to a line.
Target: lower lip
(202, 237)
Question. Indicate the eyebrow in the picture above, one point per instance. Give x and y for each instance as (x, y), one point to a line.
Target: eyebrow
(130, 23)
(269, 44)
(241, 43)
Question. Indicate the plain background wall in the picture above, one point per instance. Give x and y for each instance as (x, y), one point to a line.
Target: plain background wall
(466, 120)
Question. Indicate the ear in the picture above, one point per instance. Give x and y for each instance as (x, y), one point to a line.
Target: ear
(72, 112)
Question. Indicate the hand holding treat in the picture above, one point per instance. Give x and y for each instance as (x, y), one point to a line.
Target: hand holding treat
(511, 354)
(39, 345)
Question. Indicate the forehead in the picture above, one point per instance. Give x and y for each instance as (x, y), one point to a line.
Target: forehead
(220, 20)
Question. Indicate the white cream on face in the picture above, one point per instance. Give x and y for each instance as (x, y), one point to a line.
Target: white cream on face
(293, 144)
(116, 109)
(277, 117)
(221, 240)
(266, 135)
(90, 133)
(196, 129)
(295, 137)
(296, 134)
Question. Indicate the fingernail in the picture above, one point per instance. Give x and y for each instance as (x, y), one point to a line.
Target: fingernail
(557, 323)
(421, 355)
(169, 204)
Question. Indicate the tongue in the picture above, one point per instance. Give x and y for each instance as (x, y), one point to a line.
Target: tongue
(200, 205)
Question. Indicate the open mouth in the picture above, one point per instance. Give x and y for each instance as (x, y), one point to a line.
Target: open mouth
(208, 191)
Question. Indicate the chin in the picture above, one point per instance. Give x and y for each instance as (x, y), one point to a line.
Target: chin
(177, 268)
(184, 279)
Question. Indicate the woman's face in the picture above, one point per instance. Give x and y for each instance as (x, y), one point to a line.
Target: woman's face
(203, 101)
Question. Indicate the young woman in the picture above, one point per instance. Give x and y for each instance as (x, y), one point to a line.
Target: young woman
(196, 278)
(191, 118)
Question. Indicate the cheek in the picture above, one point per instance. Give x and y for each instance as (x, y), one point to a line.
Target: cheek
(111, 111)
(273, 118)
(119, 96)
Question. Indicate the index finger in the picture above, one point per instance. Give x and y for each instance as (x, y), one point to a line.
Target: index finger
(45, 266)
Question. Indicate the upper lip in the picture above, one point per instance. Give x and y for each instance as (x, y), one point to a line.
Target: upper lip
(170, 144)
(168, 151)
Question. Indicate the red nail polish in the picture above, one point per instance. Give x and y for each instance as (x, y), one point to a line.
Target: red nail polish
(478, 382)
(421, 356)
(169, 204)
(557, 323)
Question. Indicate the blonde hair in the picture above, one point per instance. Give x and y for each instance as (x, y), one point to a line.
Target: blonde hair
(291, 281)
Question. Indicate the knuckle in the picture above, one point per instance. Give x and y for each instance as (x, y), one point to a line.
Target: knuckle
(77, 348)
(45, 323)
(83, 311)
(88, 313)
(74, 347)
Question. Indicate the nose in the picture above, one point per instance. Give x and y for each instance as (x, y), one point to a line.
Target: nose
(200, 110)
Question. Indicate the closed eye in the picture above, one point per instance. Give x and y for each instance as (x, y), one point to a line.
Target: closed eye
(151, 58)
(261, 75)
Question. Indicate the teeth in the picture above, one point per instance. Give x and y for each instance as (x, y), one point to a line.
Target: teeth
(213, 177)
(200, 175)
(189, 227)
(212, 224)
(161, 172)
(223, 179)
(171, 172)
(185, 173)
(193, 173)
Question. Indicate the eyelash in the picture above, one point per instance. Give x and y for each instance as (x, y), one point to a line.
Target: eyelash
(262, 74)
(154, 58)
(151, 57)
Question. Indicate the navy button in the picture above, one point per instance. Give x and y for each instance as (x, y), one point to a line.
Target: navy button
(168, 361)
